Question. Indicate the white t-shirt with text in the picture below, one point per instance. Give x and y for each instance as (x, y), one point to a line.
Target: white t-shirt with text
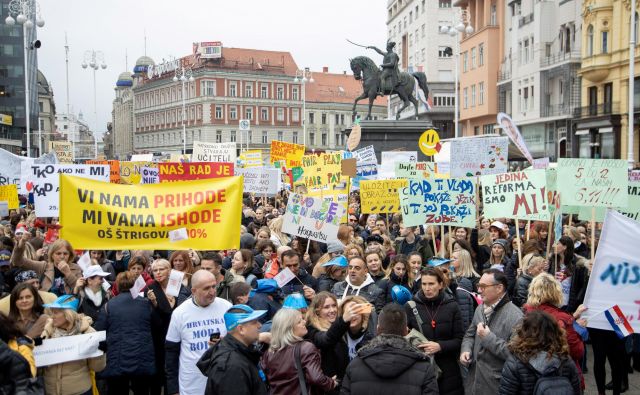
(191, 326)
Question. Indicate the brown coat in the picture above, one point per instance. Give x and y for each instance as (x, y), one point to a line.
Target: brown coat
(71, 378)
(33, 327)
(281, 372)
(45, 270)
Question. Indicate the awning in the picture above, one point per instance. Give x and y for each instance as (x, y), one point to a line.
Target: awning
(581, 132)
(605, 130)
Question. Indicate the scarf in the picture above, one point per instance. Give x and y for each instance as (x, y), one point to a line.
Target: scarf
(95, 297)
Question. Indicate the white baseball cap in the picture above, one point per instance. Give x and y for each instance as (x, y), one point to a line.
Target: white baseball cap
(94, 270)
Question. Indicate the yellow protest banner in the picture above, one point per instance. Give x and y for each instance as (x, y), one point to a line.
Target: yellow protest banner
(9, 193)
(381, 196)
(321, 170)
(130, 171)
(200, 214)
(289, 152)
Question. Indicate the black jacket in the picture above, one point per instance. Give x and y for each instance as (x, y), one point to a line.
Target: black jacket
(521, 292)
(387, 284)
(326, 283)
(232, 368)
(448, 333)
(294, 285)
(483, 253)
(519, 378)
(389, 365)
(87, 307)
(15, 373)
(262, 301)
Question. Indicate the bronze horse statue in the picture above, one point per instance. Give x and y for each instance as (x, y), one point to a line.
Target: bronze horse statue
(366, 70)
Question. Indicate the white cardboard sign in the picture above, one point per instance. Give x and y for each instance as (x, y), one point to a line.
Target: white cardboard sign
(68, 348)
(260, 180)
(213, 152)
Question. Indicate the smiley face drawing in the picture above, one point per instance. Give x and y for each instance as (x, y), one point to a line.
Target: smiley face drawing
(429, 142)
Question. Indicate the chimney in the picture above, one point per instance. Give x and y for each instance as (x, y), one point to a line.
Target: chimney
(325, 69)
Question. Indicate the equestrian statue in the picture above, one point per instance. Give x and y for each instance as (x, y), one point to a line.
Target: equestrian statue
(387, 79)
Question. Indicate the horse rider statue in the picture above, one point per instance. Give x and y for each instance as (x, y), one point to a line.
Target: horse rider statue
(390, 73)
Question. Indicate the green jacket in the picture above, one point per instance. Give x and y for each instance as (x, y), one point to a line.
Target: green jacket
(222, 289)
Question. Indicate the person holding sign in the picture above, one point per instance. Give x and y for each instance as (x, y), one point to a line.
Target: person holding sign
(59, 273)
(73, 377)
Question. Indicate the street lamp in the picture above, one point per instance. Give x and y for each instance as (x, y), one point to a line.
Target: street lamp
(305, 76)
(463, 26)
(95, 60)
(25, 11)
(184, 75)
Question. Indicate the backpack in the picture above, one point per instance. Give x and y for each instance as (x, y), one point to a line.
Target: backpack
(553, 383)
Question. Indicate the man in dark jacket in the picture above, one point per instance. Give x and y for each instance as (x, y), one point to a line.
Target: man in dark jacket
(231, 366)
(389, 363)
(410, 242)
(359, 282)
(291, 260)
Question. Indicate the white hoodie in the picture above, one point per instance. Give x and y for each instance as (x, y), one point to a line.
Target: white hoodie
(368, 280)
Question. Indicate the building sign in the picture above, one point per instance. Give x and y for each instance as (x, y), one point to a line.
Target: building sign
(162, 68)
(6, 119)
(208, 49)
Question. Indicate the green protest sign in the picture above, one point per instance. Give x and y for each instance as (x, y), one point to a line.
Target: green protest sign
(593, 182)
(521, 195)
(633, 207)
(438, 201)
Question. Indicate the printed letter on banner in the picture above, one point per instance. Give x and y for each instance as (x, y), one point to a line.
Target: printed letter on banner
(451, 202)
(521, 195)
(593, 182)
(100, 216)
(380, 196)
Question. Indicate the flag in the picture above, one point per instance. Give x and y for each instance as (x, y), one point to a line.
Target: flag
(619, 322)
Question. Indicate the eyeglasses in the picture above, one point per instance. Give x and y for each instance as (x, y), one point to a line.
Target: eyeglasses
(484, 286)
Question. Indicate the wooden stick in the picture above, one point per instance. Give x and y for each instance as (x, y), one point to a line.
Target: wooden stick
(528, 229)
(450, 242)
(308, 244)
(518, 239)
(442, 240)
(549, 233)
(433, 238)
(570, 220)
(593, 232)
(477, 182)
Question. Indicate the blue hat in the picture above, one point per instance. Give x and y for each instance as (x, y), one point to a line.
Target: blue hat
(265, 286)
(295, 301)
(400, 294)
(64, 302)
(437, 261)
(232, 320)
(340, 260)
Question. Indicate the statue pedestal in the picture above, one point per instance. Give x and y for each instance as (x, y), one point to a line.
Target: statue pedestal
(389, 135)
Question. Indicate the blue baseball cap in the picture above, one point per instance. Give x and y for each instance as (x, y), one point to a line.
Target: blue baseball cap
(437, 261)
(340, 260)
(64, 302)
(265, 286)
(232, 320)
(400, 294)
(295, 301)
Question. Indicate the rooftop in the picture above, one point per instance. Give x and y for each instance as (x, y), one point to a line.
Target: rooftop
(336, 88)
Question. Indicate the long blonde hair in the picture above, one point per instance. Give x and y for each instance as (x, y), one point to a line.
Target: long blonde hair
(544, 288)
(313, 316)
(357, 300)
(276, 229)
(466, 264)
(282, 329)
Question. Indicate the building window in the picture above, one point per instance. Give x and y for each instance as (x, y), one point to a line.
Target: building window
(232, 89)
(209, 88)
(294, 93)
(280, 114)
(525, 99)
(295, 115)
(635, 29)
(280, 92)
(444, 3)
(465, 61)
(410, 16)
(264, 92)
(248, 113)
(232, 136)
(481, 93)
(294, 138)
(323, 119)
(41, 106)
(465, 97)
(493, 17)
(324, 139)
(590, 40)
(280, 135)
(264, 114)
(312, 119)
(218, 112)
(265, 137)
(248, 90)
(605, 42)
(444, 52)
(233, 112)
(312, 138)
(41, 124)
(481, 54)
(342, 116)
(422, 30)
(218, 136)
(473, 95)
(473, 57)
(337, 119)
(249, 136)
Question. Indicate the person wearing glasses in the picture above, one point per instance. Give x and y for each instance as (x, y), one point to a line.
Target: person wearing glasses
(484, 346)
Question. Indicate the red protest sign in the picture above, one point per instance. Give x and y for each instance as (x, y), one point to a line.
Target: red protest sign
(169, 172)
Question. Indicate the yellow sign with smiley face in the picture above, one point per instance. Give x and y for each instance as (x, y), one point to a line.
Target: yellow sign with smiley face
(429, 142)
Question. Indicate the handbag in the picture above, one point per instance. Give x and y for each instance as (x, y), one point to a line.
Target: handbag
(301, 380)
(416, 337)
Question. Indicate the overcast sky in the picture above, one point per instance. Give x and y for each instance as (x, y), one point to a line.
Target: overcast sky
(314, 31)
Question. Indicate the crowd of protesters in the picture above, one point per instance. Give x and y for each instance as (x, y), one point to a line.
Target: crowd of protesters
(385, 307)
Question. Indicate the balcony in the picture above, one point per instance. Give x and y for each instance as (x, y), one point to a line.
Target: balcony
(596, 110)
(573, 56)
(556, 110)
(504, 73)
(525, 20)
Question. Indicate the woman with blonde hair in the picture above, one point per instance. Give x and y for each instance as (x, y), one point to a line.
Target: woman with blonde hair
(352, 250)
(533, 265)
(73, 377)
(463, 267)
(278, 238)
(58, 273)
(545, 294)
(287, 351)
(328, 327)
